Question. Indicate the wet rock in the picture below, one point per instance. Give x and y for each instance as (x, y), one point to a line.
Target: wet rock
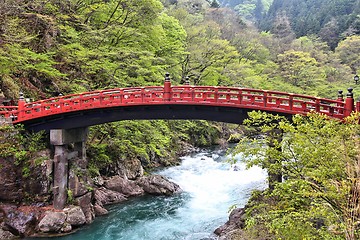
(85, 202)
(52, 222)
(158, 185)
(105, 196)
(236, 221)
(100, 210)
(124, 186)
(75, 216)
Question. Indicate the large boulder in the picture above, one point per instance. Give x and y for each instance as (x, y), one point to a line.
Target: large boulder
(105, 196)
(133, 169)
(158, 185)
(124, 186)
(52, 222)
(85, 202)
(128, 169)
(75, 216)
(100, 210)
(20, 223)
(236, 221)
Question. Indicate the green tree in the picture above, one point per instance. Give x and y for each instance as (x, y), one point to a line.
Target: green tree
(320, 164)
(299, 69)
(348, 51)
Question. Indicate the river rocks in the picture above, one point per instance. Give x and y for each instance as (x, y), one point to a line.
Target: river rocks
(236, 221)
(133, 169)
(75, 216)
(100, 210)
(105, 196)
(52, 222)
(20, 223)
(85, 202)
(124, 186)
(128, 169)
(6, 235)
(66, 228)
(158, 185)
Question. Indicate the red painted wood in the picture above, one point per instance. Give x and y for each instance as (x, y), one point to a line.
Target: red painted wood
(274, 101)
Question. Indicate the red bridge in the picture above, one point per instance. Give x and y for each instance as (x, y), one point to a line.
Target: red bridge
(68, 117)
(226, 104)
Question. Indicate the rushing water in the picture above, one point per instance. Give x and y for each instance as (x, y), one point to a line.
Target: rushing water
(211, 185)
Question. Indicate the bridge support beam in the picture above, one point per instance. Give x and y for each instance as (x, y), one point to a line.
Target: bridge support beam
(61, 138)
(61, 169)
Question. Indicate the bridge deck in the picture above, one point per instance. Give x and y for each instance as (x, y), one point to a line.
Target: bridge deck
(167, 95)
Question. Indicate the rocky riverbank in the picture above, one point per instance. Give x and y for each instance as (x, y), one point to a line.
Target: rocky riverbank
(26, 208)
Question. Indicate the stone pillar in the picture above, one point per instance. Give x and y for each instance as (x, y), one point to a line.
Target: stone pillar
(61, 138)
(80, 147)
(61, 169)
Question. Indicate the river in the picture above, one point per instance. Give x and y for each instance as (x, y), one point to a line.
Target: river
(211, 186)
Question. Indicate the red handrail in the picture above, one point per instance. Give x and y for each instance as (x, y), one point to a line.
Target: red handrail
(274, 101)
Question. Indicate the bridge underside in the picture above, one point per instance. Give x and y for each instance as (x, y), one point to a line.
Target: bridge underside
(151, 112)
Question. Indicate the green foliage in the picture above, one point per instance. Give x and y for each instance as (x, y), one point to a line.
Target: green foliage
(152, 142)
(319, 162)
(21, 147)
(70, 196)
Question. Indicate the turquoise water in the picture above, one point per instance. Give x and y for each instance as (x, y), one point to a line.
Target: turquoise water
(211, 186)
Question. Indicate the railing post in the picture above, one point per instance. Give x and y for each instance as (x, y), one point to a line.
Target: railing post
(265, 97)
(291, 101)
(167, 88)
(340, 107)
(349, 103)
(21, 106)
(317, 105)
(357, 109)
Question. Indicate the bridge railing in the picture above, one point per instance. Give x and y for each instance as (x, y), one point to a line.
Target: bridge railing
(199, 95)
(261, 99)
(8, 111)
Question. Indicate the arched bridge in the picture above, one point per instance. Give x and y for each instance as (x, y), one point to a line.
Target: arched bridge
(67, 117)
(226, 104)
